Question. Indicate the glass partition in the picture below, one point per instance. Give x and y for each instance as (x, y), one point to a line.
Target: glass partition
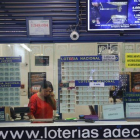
(84, 81)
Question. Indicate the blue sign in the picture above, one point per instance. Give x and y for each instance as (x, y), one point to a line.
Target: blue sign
(132, 97)
(10, 59)
(83, 58)
(87, 82)
(2, 114)
(10, 84)
(113, 15)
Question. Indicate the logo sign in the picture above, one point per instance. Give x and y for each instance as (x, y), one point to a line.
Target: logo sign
(39, 27)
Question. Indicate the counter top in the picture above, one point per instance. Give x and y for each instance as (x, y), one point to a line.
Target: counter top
(80, 123)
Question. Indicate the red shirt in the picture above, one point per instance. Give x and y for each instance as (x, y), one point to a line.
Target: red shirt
(40, 109)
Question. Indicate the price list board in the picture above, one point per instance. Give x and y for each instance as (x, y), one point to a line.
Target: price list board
(67, 100)
(83, 71)
(10, 81)
(92, 95)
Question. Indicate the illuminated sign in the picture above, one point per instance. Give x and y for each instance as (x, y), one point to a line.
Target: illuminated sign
(113, 15)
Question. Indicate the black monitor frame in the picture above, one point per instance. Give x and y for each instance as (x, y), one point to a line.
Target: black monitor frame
(21, 111)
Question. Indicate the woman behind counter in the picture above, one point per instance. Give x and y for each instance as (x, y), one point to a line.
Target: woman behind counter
(42, 103)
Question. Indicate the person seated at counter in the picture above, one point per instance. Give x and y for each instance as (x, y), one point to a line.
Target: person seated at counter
(42, 103)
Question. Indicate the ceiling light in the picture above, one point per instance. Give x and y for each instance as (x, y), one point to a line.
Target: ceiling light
(25, 47)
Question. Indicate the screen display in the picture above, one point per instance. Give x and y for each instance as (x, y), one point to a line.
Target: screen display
(113, 15)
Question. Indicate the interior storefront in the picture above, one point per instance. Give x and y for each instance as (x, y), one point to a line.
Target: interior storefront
(67, 71)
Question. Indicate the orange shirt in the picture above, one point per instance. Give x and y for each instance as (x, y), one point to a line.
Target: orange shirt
(40, 109)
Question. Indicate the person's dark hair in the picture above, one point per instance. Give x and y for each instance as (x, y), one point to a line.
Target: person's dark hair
(47, 84)
(48, 99)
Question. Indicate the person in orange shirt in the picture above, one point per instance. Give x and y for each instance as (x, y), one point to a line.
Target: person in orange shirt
(42, 103)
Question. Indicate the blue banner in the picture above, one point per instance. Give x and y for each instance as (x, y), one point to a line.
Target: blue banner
(106, 82)
(10, 84)
(83, 58)
(10, 59)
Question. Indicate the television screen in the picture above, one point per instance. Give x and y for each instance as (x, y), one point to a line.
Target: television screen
(113, 15)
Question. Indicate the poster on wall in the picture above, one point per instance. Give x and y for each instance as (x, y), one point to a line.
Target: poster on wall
(35, 80)
(113, 15)
(135, 81)
(86, 80)
(41, 60)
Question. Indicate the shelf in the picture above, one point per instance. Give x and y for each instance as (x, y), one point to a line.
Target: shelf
(92, 75)
(90, 70)
(66, 103)
(68, 94)
(100, 66)
(93, 95)
(91, 100)
(94, 91)
(67, 99)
